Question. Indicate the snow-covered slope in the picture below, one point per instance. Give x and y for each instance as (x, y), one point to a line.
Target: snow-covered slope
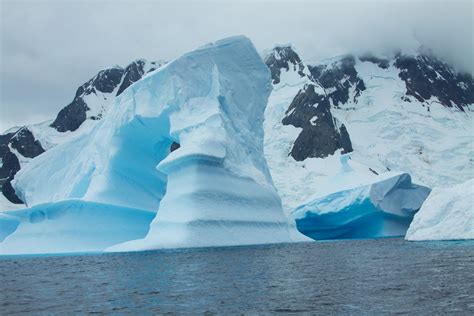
(447, 214)
(19, 145)
(186, 140)
(407, 114)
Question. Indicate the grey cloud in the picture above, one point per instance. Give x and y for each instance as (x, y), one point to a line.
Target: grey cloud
(49, 48)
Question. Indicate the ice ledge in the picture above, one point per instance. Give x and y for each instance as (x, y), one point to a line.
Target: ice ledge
(70, 226)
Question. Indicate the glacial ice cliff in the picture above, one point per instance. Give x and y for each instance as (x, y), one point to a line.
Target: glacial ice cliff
(447, 214)
(186, 140)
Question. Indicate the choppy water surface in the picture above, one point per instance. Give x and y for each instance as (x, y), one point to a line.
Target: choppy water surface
(344, 277)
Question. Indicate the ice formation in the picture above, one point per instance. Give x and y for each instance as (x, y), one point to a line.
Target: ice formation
(186, 140)
(381, 207)
(447, 214)
(219, 189)
(70, 226)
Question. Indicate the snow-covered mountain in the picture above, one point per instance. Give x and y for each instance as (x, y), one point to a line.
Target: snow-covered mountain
(91, 101)
(195, 137)
(408, 113)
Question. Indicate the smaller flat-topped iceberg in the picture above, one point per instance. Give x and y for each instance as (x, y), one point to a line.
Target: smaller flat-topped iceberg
(383, 206)
(447, 214)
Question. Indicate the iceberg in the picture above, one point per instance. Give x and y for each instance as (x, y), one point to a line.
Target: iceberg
(447, 214)
(219, 190)
(184, 142)
(70, 226)
(380, 208)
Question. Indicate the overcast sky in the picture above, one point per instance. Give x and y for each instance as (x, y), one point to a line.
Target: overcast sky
(49, 48)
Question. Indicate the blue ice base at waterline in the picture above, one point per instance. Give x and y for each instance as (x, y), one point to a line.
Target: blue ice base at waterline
(381, 209)
(366, 225)
(70, 226)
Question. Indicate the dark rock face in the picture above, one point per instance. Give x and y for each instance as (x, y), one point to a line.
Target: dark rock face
(74, 114)
(106, 81)
(321, 135)
(337, 79)
(9, 192)
(133, 73)
(71, 117)
(426, 76)
(9, 164)
(283, 57)
(382, 63)
(25, 143)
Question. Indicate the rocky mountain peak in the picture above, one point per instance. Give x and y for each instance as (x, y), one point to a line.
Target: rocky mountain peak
(322, 133)
(337, 78)
(427, 77)
(283, 57)
(110, 83)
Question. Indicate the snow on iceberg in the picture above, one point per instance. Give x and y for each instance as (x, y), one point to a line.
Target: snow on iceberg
(382, 207)
(186, 140)
(447, 214)
(70, 226)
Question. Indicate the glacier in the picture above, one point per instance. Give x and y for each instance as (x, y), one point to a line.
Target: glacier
(185, 143)
(381, 207)
(447, 214)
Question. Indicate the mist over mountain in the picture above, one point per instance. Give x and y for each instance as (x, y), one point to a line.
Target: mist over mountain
(318, 29)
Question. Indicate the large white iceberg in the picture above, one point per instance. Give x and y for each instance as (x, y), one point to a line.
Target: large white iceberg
(382, 206)
(219, 189)
(186, 140)
(447, 214)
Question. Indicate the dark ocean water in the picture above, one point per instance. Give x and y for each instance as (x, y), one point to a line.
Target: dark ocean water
(342, 277)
